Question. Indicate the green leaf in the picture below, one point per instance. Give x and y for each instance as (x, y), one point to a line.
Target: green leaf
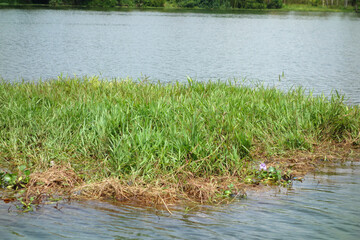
(7, 177)
(227, 192)
(22, 191)
(27, 172)
(22, 168)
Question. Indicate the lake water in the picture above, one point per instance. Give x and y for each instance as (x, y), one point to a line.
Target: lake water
(324, 206)
(320, 51)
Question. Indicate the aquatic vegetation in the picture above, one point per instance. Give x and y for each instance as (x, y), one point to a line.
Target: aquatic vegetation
(233, 192)
(26, 206)
(229, 190)
(13, 180)
(17, 182)
(262, 167)
(127, 138)
(272, 174)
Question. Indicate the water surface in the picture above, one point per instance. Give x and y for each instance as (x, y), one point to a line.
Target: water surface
(320, 51)
(325, 206)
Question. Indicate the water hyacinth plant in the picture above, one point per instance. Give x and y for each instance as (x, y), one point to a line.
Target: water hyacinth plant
(15, 181)
(262, 167)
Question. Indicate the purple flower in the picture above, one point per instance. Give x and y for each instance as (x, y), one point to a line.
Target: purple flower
(262, 167)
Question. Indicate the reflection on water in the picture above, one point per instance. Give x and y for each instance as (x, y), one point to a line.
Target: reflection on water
(324, 206)
(319, 51)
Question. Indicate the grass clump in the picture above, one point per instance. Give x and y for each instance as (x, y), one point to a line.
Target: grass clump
(162, 134)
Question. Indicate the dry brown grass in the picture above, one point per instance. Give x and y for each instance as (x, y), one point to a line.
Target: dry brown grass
(63, 181)
(57, 180)
(302, 162)
(197, 190)
(122, 191)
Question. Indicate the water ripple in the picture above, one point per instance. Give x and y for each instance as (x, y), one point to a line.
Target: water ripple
(317, 51)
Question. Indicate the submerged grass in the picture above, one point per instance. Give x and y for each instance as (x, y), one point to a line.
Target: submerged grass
(148, 134)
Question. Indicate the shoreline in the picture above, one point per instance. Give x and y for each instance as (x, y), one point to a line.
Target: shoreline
(158, 144)
(159, 196)
(285, 8)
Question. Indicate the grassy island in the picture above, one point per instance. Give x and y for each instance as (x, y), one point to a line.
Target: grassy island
(150, 142)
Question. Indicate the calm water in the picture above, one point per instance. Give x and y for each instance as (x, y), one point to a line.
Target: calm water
(325, 206)
(320, 51)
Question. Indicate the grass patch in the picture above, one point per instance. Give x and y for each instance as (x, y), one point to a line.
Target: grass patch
(319, 8)
(163, 136)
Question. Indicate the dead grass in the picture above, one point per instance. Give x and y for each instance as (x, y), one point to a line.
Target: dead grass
(63, 181)
(57, 180)
(119, 190)
(302, 162)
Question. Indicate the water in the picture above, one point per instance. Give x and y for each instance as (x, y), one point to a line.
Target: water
(324, 206)
(320, 51)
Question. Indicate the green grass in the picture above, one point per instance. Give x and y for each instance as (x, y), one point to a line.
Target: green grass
(320, 8)
(134, 128)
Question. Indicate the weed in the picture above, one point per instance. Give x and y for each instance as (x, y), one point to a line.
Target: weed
(13, 180)
(141, 131)
(26, 206)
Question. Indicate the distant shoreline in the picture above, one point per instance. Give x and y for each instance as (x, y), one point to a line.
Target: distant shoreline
(285, 8)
